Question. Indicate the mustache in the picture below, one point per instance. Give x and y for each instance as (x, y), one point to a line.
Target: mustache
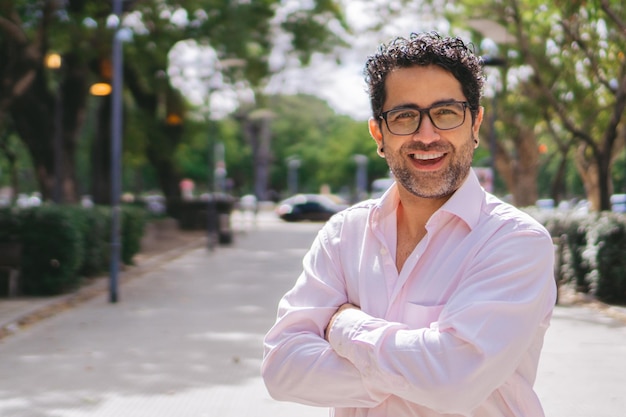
(438, 146)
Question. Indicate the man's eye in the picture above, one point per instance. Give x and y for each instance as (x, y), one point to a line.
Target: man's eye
(445, 111)
(404, 115)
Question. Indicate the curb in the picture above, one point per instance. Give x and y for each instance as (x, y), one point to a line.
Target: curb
(569, 297)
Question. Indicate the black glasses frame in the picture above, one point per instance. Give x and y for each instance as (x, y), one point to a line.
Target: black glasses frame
(426, 111)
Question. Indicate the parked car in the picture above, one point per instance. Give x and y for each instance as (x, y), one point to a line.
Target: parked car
(545, 204)
(308, 207)
(380, 186)
(618, 203)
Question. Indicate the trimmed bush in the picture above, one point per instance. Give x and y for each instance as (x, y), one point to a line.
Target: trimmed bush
(609, 277)
(578, 264)
(10, 224)
(133, 223)
(595, 252)
(52, 250)
(93, 224)
(63, 244)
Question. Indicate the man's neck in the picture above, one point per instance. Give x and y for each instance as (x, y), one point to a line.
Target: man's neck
(415, 211)
(412, 215)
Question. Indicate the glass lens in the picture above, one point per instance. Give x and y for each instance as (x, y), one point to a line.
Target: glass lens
(443, 116)
(403, 121)
(447, 116)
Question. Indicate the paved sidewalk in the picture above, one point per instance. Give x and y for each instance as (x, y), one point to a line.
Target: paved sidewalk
(185, 340)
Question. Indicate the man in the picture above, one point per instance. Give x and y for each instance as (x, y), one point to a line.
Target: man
(434, 299)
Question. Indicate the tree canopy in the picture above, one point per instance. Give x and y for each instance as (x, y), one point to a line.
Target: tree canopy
(48, 105)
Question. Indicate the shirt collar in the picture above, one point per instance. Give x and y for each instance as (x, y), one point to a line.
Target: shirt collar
(465, 203)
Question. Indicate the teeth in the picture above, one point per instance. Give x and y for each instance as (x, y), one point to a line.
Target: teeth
(426, 157)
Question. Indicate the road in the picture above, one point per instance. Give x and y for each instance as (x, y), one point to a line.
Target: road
(185, 340)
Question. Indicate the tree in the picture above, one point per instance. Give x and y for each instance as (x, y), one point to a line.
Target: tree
(307, 129)
(77, 30)
(574, 52)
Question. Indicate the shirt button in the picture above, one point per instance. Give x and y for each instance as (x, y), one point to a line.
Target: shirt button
(383, 251)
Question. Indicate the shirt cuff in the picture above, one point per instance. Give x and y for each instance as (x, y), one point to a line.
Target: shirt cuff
(344, 329)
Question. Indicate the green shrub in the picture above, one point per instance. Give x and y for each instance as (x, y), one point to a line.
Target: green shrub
(577, 267)
(133, 223)
(595, 251)
(93, 225)
(10, 224)
(62, 244)
(52, 250)
(609, 276)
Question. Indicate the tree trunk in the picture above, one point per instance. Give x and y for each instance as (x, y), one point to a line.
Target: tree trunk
(160, 150)
(589, 175)
(558, 191)
(525, 191)
(49, 125)
(33, 113)
(519, 171)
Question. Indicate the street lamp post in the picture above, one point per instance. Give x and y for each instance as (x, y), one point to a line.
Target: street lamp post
(116, 150)
(211, 207)
(361, 176)
(293, 164)
(216, 175)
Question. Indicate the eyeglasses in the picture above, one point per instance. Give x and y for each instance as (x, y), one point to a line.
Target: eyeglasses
(407, 120)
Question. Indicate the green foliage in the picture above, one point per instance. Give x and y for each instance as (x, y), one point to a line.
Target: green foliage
(94, 228)
(63, 244)
(594, 252)
(52, 251)
(245, 31)
(578, 266)
(564, 64)
(133, 223)
(307, 129)
(10, 224)
(609, 278)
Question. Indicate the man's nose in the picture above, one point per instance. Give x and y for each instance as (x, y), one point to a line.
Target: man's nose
(427, 132)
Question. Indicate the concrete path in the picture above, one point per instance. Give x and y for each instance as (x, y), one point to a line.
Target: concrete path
(185, 340)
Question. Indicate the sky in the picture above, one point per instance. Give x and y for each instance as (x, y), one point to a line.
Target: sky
(340, 84)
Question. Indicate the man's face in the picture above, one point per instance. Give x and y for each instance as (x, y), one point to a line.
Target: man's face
(430, 163)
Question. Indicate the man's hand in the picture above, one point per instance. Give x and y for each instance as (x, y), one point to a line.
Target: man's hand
(332, 319)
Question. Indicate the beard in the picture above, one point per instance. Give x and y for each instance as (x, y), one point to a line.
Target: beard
(433, 184)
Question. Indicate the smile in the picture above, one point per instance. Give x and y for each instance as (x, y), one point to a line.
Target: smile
(428, 156)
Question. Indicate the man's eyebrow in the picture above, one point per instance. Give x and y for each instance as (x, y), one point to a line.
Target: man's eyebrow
(416, 107)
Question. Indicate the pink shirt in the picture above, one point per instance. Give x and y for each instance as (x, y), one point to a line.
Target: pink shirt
(457, 332)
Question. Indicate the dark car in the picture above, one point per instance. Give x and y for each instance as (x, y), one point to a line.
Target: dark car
(311, 207)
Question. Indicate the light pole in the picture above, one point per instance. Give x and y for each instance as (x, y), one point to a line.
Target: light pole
(219, 163)
(361, 176)
(116, 151)
(215, 162)
(293, 164)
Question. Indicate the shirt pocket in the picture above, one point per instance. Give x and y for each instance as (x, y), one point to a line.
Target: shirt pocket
(418, 316)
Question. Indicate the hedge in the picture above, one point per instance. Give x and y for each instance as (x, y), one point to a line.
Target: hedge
(595, 251)
(63, 244)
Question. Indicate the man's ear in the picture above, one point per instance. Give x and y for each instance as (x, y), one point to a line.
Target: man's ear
(377, 135)
(478, 121)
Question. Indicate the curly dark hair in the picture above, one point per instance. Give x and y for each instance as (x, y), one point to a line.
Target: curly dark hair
(423, 49)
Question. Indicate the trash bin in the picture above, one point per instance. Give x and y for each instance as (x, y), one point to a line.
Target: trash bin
(210, 212)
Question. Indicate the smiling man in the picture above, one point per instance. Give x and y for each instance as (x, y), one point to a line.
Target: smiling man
(434, 299)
